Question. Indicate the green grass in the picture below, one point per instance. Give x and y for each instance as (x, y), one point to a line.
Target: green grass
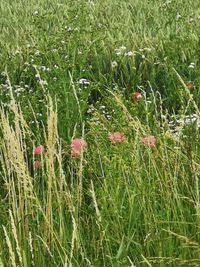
(119, 204)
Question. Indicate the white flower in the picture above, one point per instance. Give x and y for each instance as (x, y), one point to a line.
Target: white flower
(43, 68)
(84, 81)
(129, 53)
(69, 29)
(178, 16)
(117, 52)
(191, 66)
(114, 64)
(43, 82)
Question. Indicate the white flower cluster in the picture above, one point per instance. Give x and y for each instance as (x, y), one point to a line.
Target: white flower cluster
(177, 123)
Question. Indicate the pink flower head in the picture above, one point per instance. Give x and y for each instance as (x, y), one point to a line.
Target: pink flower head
(117, 138)
(38, 164)
(39, 150)
(77, 146)
(136, 96)
(149, 140)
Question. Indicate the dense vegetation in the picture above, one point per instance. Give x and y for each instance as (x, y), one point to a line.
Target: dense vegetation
(99, 128)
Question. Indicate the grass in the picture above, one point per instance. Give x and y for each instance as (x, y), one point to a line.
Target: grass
(125, 204)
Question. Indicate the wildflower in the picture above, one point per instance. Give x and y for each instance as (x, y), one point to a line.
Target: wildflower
(39, 150)
(43, 82)
(117, 138)
(136, 96)
(84, 82)
(77, 146)
(149, 140)
(129, 53)
(191, 66)
(178, 16)
(38, 164)
(114, 64)
(118, 52)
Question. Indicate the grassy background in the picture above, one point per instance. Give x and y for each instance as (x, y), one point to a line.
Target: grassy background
(119, 205)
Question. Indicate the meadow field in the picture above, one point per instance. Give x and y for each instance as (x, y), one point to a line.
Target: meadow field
(99, 133)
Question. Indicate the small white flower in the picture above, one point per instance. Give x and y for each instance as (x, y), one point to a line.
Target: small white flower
(191, 66)
(43, 68)
(109, 117)
(84, 81)
(102, 107)
(129, 53)
(114, 64)
(43, 82)
(178, 16)
(117, 52)
(122, 47)
(69, 29)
